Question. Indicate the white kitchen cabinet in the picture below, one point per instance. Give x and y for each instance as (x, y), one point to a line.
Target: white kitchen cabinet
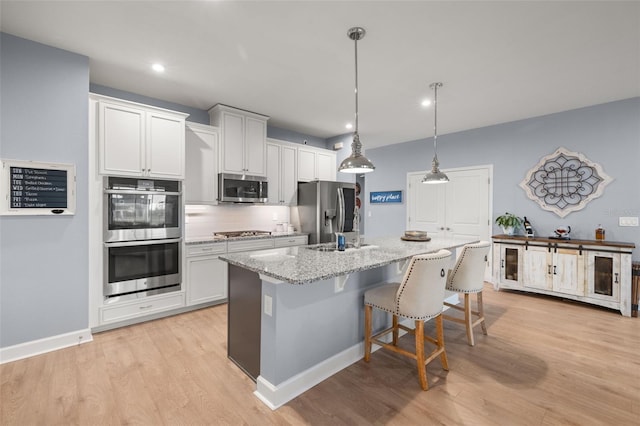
(290, 241)
(282, 172)
(140, 308)
(243, 137)
(596, 272)
(201, 173)
(140, 141)
(206, 275)
(316, 164)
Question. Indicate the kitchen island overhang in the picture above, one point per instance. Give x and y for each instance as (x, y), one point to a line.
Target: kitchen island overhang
(311, 315)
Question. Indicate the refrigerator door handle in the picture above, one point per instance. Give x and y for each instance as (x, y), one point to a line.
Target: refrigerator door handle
(340, 210)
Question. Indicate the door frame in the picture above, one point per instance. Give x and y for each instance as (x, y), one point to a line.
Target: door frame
(489, 169)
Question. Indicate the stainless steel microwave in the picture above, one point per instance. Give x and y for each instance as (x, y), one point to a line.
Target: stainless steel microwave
(242, 188)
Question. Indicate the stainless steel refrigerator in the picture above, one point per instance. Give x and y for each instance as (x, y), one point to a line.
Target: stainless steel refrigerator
(326, 207)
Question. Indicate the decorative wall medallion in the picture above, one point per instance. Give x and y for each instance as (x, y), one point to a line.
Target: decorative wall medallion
(564, 182)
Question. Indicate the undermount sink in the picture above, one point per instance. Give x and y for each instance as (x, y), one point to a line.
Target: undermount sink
(332, 247)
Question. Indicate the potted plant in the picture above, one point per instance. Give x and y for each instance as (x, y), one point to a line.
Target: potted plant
(509, 223)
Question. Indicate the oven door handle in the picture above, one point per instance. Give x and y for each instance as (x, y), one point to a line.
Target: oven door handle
(143, 242)
(137, 192)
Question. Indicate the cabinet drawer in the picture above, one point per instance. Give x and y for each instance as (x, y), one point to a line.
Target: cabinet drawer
(300, 240)
(235, 246)
(206, 249)
(143, 307)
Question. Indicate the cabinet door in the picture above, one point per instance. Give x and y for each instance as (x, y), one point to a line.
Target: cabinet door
(165, 146)
(206, 279)
(288, 175)
(201, 171)
(254, 146)
(326, 166)
(306, 165)
(568, 275)
(510, 265)
(537, 268)
(603, 276)
(273, 173)
(232, 152)
(121, 136)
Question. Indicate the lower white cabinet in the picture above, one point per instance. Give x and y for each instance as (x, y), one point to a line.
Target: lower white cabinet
(148, 305)
(206, 275)
(596, 272)
(297, 240)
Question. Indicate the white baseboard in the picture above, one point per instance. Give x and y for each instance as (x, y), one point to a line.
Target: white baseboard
(48, 344)
(275, 396)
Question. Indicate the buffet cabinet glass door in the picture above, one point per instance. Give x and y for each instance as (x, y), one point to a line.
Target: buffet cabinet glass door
(510, 264)
(603, 275)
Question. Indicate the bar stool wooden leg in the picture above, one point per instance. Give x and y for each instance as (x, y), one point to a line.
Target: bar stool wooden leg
(468, 319)
(440, 336)
(481, 313)
(422, 368)
(395, 330)
(368, 309)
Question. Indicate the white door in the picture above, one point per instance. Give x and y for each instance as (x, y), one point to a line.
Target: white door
(459, 208)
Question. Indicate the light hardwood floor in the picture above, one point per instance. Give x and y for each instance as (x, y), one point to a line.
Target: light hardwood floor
(545, 362)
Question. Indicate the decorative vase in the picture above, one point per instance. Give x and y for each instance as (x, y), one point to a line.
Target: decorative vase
(508, 230)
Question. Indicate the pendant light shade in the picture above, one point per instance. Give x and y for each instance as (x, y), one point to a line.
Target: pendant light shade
(435, 175)
(356, 162)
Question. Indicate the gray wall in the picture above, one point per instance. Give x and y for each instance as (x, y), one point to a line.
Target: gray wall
(295, 137)
(607, 134)
(43, 259)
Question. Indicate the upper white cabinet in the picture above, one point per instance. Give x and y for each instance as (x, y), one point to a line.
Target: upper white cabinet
(282, 172)
(242, 140)
(139, 140)
(201, 174)
(316, 164)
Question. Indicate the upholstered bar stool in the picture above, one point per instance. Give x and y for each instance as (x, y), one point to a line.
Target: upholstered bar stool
(467, 277)
(419, 296)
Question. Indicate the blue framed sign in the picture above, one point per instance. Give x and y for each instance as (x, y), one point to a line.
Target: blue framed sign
(385, 197)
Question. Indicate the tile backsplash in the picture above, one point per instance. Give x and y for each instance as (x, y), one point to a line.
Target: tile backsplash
(203, 221)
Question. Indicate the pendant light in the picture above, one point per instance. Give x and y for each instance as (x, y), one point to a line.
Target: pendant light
(356, 162)
(435, 175)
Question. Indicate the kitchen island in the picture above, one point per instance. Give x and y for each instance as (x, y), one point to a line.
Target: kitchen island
(296, 314)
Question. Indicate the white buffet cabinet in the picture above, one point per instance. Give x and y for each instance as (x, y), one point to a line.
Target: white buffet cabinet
(596, 272)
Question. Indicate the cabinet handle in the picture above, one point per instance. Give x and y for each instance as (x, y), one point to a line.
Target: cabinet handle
(548, 269)
(448, 229)
(616, 280)
(442, 228)
(502, 264)
(554, 270)
(146, 307)
(207, 249)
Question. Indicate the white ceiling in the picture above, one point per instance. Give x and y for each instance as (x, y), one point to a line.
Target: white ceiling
(292, 60)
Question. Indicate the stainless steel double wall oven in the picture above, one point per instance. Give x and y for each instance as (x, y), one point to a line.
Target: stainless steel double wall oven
(142, 237)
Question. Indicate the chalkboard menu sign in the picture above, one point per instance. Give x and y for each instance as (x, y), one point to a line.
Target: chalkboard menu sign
(37, 188)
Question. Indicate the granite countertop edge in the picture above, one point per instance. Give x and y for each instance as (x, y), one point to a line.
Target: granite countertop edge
(209, 240)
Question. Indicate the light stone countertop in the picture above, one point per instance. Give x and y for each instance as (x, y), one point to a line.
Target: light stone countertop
(301, 264)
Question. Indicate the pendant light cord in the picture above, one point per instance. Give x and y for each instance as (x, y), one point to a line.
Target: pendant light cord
(435, 120)
(356, 56)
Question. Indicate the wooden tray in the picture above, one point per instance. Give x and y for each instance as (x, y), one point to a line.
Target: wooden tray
(405, 238)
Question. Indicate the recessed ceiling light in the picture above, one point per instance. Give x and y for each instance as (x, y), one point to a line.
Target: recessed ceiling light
(349, 126)
(157, 67)
(426, 102)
